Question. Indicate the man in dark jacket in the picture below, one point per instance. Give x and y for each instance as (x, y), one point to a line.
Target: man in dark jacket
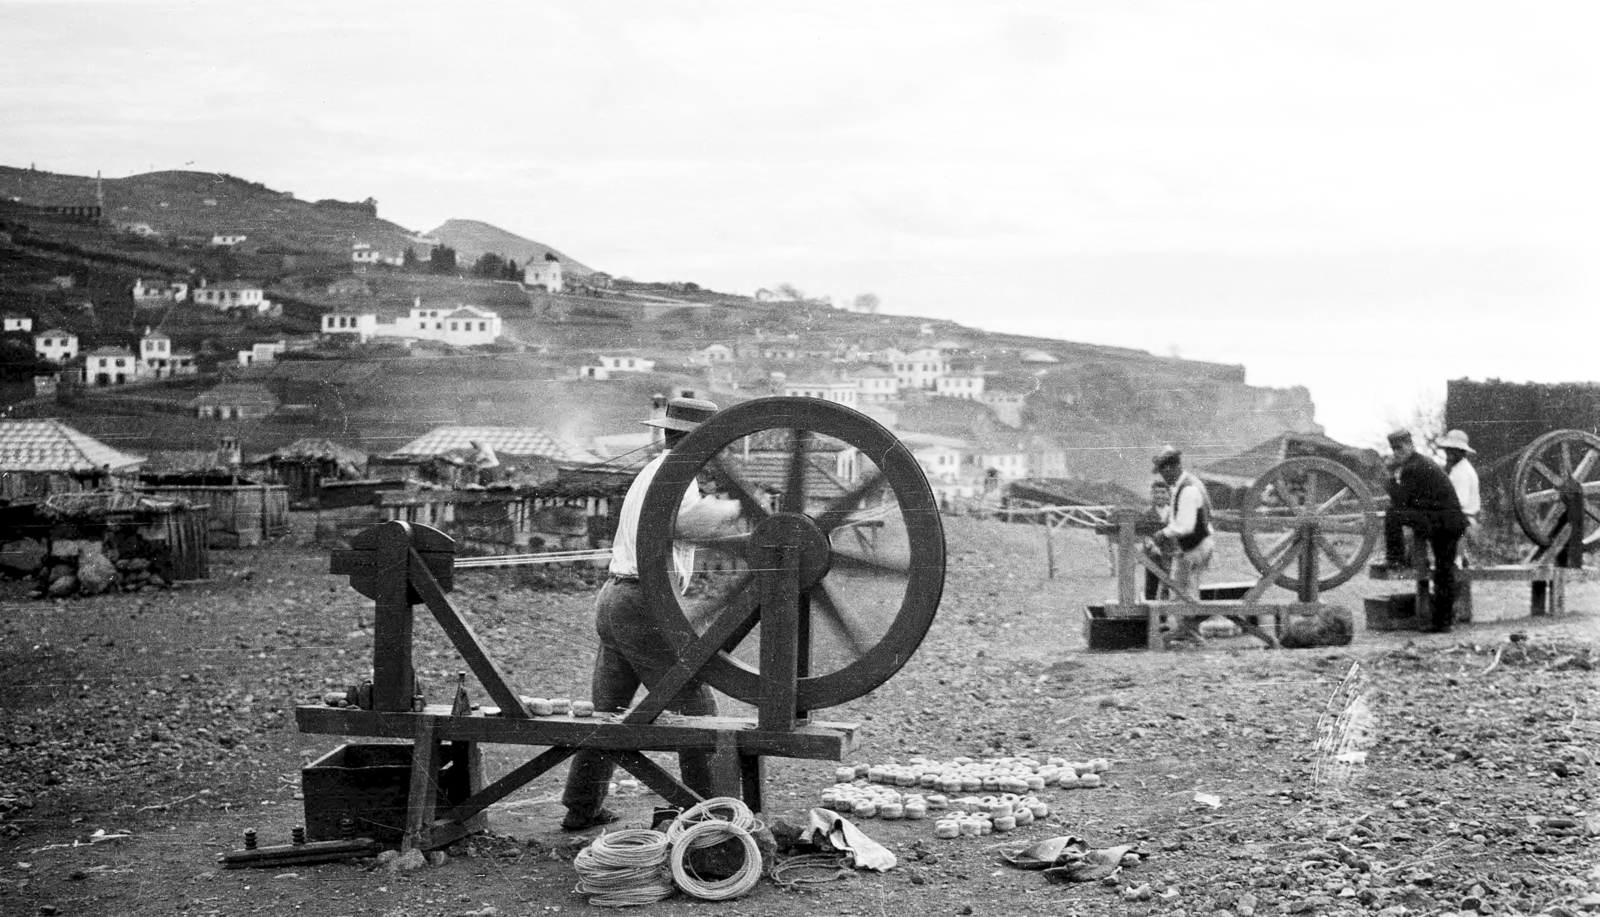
(1422, 498)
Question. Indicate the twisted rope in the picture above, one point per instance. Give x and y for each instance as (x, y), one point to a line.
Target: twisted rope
(624, 868)
(718, 809)
(704, 834)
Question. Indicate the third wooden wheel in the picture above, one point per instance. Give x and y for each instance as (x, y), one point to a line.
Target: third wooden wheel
(842, 491)
(1309, 499)
(1553, 459)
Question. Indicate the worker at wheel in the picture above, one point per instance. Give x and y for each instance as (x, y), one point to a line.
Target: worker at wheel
(1422, 499)
(1465, 480)
(633, 650)
(1186, 538)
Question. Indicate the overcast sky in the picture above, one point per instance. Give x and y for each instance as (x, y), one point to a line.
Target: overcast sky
(1367, 198)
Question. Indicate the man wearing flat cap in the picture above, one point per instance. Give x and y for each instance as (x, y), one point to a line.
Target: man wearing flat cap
(1187, 534)
(633, 651)
(1422, 499)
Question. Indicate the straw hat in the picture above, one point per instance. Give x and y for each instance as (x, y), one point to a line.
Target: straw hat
(1456, 439)
(683, 414)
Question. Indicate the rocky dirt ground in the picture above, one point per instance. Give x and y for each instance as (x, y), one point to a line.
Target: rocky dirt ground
(144, 732)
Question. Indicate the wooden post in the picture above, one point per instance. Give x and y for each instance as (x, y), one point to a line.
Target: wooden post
(780, 639)
(1572, 496)
(393, 677)
(1049, 546)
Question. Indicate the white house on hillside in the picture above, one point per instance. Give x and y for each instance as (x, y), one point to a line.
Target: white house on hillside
(56, 345)
(12, 321)
(839, 391)
(228, 239)
(544, 272)
(611, 364)
(159, 292)
(157, 360)
(967, 385)
(362, 253)
(462, 326)
(229, 295)
(714, 353)
(363, 325)
(874, 383)
(917, 369)
(110, 366)
(262, 353)
(941, 457)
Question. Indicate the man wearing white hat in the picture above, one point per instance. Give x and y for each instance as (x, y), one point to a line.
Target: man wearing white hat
(633, 650)
(1465, 480)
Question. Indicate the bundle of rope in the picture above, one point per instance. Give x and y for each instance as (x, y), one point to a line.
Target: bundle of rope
(705, 834)
(712, 822)
(623, 868)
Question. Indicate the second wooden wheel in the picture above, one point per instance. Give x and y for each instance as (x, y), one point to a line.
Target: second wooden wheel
(1561, 457)
(833, 488)
(1309, 500)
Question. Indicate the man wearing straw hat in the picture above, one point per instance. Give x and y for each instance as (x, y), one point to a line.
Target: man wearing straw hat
(1465, 480)
(633, 651)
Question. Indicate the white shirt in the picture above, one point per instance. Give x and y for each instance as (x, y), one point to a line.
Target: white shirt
(1465, 479)
(1188, 495)
(625, 547)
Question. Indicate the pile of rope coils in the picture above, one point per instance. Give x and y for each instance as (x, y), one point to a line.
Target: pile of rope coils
(638, 866)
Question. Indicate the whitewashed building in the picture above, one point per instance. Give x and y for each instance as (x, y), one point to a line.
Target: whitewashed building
(612, 364)
(231, 295)
(157, 359)
(874, 383)
(260, 353)
(838, 391)
(110, 366)
(56, 344)
(918, 369)
(227, 239)
(463, 326)
(147, 293)
(360, 325)
(965, 385)
(13, 321)
(544, 272)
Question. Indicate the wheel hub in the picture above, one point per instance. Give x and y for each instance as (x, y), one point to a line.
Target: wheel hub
(795, 530)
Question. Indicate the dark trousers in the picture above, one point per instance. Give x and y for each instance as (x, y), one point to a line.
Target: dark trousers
(633, 652)
(1442, 541)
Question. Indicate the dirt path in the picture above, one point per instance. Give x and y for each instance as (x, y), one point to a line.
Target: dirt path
(163, 721)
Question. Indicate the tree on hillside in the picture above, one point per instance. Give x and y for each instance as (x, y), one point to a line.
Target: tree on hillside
(443, 260)
(18, 362)
(866, 303)
(409, 260)
(489, 265)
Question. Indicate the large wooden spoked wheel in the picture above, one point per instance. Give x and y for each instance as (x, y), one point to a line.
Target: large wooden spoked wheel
(1309, 500)
(847, 497)
(1548, 462)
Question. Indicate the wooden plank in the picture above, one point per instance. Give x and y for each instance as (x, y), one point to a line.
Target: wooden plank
(465, 640)
(1225, 608)
(780, 640)
(393, 676)
(817, 741)
(424, 792)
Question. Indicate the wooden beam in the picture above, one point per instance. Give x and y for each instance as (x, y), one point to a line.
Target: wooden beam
(465, 640)
(816, 741)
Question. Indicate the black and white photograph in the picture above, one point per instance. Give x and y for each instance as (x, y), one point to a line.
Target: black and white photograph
(1114, 457)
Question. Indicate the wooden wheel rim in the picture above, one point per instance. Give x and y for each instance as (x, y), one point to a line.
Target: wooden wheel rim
(1258, 539)
(900, 473)
(1544, 463)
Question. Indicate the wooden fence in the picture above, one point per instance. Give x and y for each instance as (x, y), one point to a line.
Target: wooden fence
(240, 515)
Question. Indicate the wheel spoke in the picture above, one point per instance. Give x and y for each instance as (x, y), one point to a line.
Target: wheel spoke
(852, 563)
(1550, 519)
(1566, 458)
(1544, 469)
(1540, 496)
(1339, 560)
(735, 545)
(1278, 547)
(841, 507)
(1586, 465)
(794, 484)
(729, 480)
(834, 611)
(1326, 505)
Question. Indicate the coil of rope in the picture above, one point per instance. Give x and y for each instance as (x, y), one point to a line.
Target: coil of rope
(625, 868)
(789, 874)
(705, 834)
(725, 809)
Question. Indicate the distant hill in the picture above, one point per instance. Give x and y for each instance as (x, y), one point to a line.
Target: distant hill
(472, 239)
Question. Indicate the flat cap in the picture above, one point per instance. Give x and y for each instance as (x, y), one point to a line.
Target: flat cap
(1400, 436)
(1167, 456)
